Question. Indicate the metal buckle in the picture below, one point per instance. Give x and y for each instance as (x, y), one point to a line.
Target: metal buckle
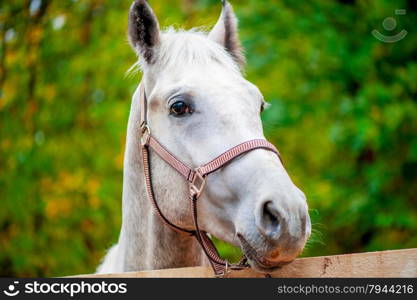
(225, 272)
(198, 184)
(146, 133)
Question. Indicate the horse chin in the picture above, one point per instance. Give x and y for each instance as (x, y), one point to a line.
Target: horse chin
(261, 263)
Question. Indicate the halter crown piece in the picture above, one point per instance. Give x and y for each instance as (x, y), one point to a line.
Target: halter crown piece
(196, 178)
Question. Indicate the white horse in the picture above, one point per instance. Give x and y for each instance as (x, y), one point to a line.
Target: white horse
(200, 105)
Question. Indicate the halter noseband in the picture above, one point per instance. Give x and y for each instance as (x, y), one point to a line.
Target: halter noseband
(197, 180)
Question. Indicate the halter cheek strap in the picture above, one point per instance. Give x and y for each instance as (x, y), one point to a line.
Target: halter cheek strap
(196, 178)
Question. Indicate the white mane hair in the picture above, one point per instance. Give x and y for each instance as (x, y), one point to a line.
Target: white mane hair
(185, 48)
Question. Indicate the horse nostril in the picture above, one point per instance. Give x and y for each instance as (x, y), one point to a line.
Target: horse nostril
(270, 215)
(270, 218)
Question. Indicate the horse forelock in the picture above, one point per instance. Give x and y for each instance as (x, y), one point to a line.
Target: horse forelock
(184, 48)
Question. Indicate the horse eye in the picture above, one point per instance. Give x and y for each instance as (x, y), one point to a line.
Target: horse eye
(264, 106)
(179, 108)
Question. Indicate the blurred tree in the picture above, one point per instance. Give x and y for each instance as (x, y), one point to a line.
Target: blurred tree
(343, 114)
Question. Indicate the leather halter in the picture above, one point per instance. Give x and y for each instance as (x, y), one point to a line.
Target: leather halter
(196, 178)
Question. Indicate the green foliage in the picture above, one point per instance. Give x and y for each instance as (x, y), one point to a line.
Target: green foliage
(343, 115)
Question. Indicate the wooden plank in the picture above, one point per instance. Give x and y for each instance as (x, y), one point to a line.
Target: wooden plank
(393, 263)
(192, 272)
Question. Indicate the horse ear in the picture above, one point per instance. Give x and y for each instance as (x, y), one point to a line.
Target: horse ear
(143, 30)
(225, 32)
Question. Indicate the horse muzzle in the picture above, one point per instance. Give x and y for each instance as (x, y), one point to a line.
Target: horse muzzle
(278, 237)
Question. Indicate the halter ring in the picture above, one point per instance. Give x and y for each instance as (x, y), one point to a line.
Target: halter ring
(197, 184)
(146, 134)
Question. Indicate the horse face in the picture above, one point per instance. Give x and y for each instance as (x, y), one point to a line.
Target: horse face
(200, 105)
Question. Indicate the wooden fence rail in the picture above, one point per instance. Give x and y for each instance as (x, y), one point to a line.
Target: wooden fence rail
(393, 263)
